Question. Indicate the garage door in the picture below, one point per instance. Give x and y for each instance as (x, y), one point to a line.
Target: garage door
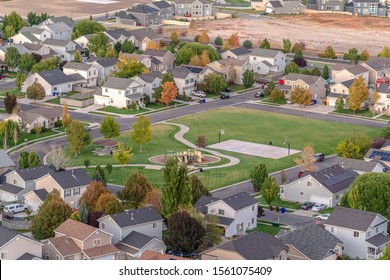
(320, 199)
(268, 10)
(32, 205)
(7, 197)
(110, 257)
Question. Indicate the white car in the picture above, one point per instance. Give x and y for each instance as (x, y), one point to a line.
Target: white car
(14, 208)
(318, 207)
(323, 217)
(198, 93)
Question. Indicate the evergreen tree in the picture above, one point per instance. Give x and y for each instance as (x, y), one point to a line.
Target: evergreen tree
(198, 189)
(258, 174)
(218, 41)
(83, 212)
(265, 44)
(325, 72)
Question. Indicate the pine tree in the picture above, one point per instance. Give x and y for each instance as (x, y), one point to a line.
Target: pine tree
(325, 72)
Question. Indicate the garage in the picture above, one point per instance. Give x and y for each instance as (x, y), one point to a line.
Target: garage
(320, 199)
(109, 257)
(32, 205)
(6, 196)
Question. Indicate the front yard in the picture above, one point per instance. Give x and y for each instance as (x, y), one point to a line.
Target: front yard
(56, 100)
(263, 227)
(13, 91)
(123, 111)
(365, 113)
(280, 203)
(30, 137)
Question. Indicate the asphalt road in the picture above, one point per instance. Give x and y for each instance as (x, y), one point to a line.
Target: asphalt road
(7, 85)
(286, 218)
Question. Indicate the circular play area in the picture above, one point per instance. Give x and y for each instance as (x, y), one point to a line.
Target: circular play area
(189, 156)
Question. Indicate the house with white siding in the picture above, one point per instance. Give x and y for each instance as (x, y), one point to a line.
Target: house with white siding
(264, 61)
(232, 69)
(30, 35)
(66, 49)
(184, 80)
(104, 66)
(150, 82)
(6, 163)
(87, 71)
(240, 53)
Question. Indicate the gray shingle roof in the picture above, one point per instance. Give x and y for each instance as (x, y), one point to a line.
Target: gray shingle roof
(348, 83)
(336, 95)
(351, 218)
(378, 63)
(383, 88)
(240, 200)
(30, 36)
(78, 66)
(225, 221)
(52, 112)
(124, 15)
(180, 73)
(76, 77)
(276, 4)
(147, 32)
(357, 69)
(379, 240)
(161, 4)
(32, 30)
(241, 51)
(354, 164)
(27, 257)
(10, 188)
(5, 160)
(107, 62)
(308, 79)
(65, 20)
(201, 204)
(32, 47)
(264, 52)
(314, 241)
(71, 178)
(136, 239)
(255, 246)
(231, 61)
(42, 194)
(156, 53)
(34, 173)
(136, 217)
(116, 33)
(55, 77)
(365, 1)
(117, 83)
(191, 1)
(59, 27)
(142, 9)
(6, 235)
(55, 42)
(150, 77)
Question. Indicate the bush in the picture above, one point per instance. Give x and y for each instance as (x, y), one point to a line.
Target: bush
(271, 208)
(58, 123)
(146, 98)
(260, 211)
(43, 129)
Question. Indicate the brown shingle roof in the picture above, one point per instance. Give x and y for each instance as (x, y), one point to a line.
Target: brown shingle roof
(75, 229)
(65, 246)
(151, 255)
(101, 251)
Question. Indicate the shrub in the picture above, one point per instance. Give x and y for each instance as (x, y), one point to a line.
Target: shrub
(260, 211)
(58, 123)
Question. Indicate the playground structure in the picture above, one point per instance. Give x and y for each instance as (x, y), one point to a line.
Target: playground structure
(186, 156)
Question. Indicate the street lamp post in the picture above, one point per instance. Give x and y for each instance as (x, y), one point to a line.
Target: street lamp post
(288, 146)
(221, 132)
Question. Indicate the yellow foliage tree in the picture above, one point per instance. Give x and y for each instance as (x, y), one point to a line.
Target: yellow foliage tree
(358, 93)
(301, 96)
(152, 45)
(306, 160)
(204, 38)
(195, 61)
(205, 59)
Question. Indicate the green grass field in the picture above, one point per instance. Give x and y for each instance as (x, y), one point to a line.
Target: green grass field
(364, 113)
(13, 91)
(29, 137)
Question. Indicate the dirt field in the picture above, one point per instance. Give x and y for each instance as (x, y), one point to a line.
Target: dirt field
(70, 8)
(317, 31)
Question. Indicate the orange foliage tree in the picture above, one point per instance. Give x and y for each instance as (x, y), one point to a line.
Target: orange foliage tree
(234, 41)
(92, 193)
(152, 45)
(169, 93)
(153, 198)
(204, 38)
(204, 58)
(195, 61)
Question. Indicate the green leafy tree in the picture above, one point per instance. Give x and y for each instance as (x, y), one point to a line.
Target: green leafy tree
(109, 127)
(53, 212)
(77, 57)
(33, 160)
(128, 47)
(184, 54)
(248, 44)
(198, 189)
(265, 44)
(352, 55)
(34, 19)
(142, 131)
(12, 57)
(20, 79)
(100, 175)
(325, 72)
(23, 160)
(213, 83)
(286, 45)
(136, 188)
(329, 53)
(339, 104)
(26, 62)
(364, 56)
(10, 102)
(123, 154)
(12, 23)
(301, 96)
(385, 52)
(358, 93)
(355, 146)
(118, 47)
(87, 163)
(35, 91)
(109, 168)
(385, 132)
(271, 86)
(77, 136)
(91, 195)
(128, 68)
(85, 27)
(315, 72)
(269, 190)
(7, 131)
(276, 95)
(258, 174)
(98, 44)
(218, 41)
(248, 78)
(75, 216)
(292, 67)
(46, 64)
(386, 253)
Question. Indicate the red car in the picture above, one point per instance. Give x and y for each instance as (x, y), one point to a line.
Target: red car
(2, 77)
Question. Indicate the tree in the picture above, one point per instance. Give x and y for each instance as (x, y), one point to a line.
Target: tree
(204, 38)
(385, 132)
(364, 55)
(358, 93)
(276, 95)
(283, 176)
(123, 154)
(136, 188)
(35, 91)
(20, 79)
(292, 67)
(269, 190)
(16, 135)
(142, 131)
(355, 146)
(201, 141)
(26, 62)
(234, 41)
(329, 53)
(386, 253)
(128, 46)
(296, 47)
(339, 104)
(46, 64)
(271, 86)
(204, 58)
(34, 19)
(10, 102)
(174, 38)
(176, 189)
(247, 44)
(110, 52)
(12, 57)
(352, 55)
(118, 47)
(77, 136)
(99, 175)
(75, 216)
(83, 212)
(53, 212)
(185, 233)
(169, 93)
(77, 57)
(258, 173)
(195, 61)
(248, 79)
(198, 189)
(286, 45)
(325, 72)
(37, 128)
(218, 41)
(109, 127)
(153, 45)
(385, 52)
(167, 77)
(315, 72)
(29, 160)
(85, 27)
(185, 53)
(128, 68)
(7, 128)
(98, 44)
(92, 193)
(299, 59)
(58, 158)
(306, 160)
(66, 119)
(108, 204)
(301, 96)
(12, 24)
(265, 44)
(213, 83)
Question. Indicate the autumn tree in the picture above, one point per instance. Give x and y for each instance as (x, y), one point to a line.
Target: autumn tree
(109, 127)
(35, 91)
(296, 47)
(265, 44)
(195, 61)
(169, 93)
(91, 195)
(37, 128)
(385, 52)
(123, 154)
(358, 93)
(10, 102)
(77, 57)
(276, 96)
(364, 55)
(234, 41)
(269, 190)
(355, 146)
(339, 104)
(174, 38)
(248, 79)
(66, 119)
(128, 68)
(301, 96)
(258, 173)
(328, 53)
(201, 141)
(77, 136)
(270, 87)
(153, 198)
(167, 77)
(142, 131)
(153, 45)
(198, 188)
(286, 45)
(108, 204)
(110, 52)
(136, 188)
(204, 38)
(204, 58)
(306, 159)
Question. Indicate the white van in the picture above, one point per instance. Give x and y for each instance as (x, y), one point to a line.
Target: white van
(14, 208)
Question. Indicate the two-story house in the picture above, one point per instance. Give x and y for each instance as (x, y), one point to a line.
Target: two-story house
(21, 49)
(366, 8)
(326, 5)
(363, 233)
(6, 163)
(142, 36)
(43, 51)
(57, 30)
(64, 48)
(104, 66)
(315, 85)
(236, 213)
(383, 104)
(164, 56)
(199, 72)
(232, 69)
(150, 82)
(193, 8)
(120, 92)
(152, 63)
(165, 8)
(326, 186)
(74, 240)
(379, 70)
(264, 61)
(117, 35)
(145, 15)
(184, 79)
(30, 35)
(241, 53)
(64, 19)
(87, 71)
(278, 7)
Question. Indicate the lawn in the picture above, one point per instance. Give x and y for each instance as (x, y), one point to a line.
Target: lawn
(29, 137)
(13, 91)
(157, 106)
(124, 111)
(364, 113)
(56, 100)
(261, 127)
(2, 111)
(281, 203)
(267, 229)
(327, 211)
(235, 88)
(103, 114)
(384, 117)
(276, 102)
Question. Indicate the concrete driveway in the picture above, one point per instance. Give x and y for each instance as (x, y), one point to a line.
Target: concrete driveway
(287, 218)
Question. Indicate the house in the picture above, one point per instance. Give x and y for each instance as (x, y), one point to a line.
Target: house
(30, 35)
(3, 50)
(16, 183)
(144, 15)
(315, 85)
(278, 7)
(142, 36)
(339, 89)
(264, 61)
(381, 155)
(236, 213)
(312, 242)
(6, 162)
(83, 40)
(240, 53)
(193, 8)
(150, 82)
(126, 18)
(359, 166)
(16, 246)
(379, 70)
(151, 255)
(366, 8)
(326, 186)
(383, 104)
(117, 35)
(45, 117)
(341, 73)
(152, 63)
(70, 183)
(254, 246)
(57, 30)
(104, 66)
(165, 8)
(184, 79)
(64, 48)
(120, 92)
(326, 5)
(258, 5)
(87, 71)
(146, 221)
(232, 69)
(363, 233)
(136, 243)
(164, 56)
(74, 240)
(43, 51)
(64, 19)
(199, 72)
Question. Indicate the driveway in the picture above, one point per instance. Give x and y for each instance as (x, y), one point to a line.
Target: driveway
(286, 218)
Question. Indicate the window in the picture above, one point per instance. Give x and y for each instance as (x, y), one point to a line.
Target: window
(58, 257)
(221, 212)
(368, 234)
(55, 88)
(94, 72)
(253, 220)
(356, 234)
(253, 208)
(301, 193)
(76, 191)
(105, 90)
(3, 255)
(103, 226)
(68, 85)
(187, 81)
(47, 255)
(371, 251)
(67, 193)
(309, 183)
(154, 224)
(192, 80)
(337, 197)
(96, 242)
(388, 96)
(15, 182)
(89, 73)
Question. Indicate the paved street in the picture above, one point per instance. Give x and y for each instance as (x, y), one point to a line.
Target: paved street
(7, 85)
(286, 218)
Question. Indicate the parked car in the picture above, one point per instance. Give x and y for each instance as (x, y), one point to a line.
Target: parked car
(198, 93)
(263, 13)
(300, 174)
(14, 208)
(259, 94)
(307, 205)
(318, 207)
(289, 101)
(2, 77)
(323, 217)
(318, 157)
(224, 95)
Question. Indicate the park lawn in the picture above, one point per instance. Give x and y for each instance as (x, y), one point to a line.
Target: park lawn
(124, 111)
(262, 127)
(29, 137)
(364, 113)
(281, 203)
